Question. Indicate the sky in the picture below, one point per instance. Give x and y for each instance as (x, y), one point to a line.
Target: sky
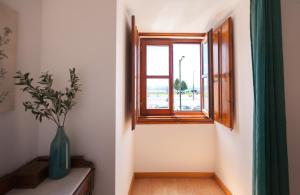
(158, 62)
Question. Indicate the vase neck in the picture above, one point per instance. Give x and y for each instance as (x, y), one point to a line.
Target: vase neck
(60, 129)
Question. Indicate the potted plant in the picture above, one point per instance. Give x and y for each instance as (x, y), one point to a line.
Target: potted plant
(53, 105)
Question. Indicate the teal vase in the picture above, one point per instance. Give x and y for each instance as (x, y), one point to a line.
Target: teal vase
(60, 158)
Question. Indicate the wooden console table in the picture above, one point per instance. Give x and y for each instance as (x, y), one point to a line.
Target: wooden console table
(80, 181)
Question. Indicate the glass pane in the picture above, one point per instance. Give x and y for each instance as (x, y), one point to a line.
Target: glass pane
(206, 94)
(157, 93)
(186, 77)
(157, 60)
(205, 58)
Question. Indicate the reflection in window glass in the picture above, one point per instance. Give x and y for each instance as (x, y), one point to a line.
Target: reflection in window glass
(157, 93)
(205, 94)
(205, 78)
(157, 60)
(186, 77)
(205, 58)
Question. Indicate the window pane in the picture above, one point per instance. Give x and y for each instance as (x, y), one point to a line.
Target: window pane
(205, 58)
(157, 60)
(206, 94)
(157, 93)
(186, 77)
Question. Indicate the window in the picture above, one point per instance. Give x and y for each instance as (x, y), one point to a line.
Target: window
(186, 77)
(175, 76)
(174, 79)
(206, 75)
(170, 76)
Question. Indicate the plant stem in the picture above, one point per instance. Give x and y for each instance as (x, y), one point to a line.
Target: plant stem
(57, 116)
(53, 118)
(65, 118)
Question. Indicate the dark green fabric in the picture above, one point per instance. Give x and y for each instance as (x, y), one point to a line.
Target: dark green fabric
(270, 162)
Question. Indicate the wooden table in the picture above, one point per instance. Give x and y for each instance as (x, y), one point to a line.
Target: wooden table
(80, 181)
(74, 183)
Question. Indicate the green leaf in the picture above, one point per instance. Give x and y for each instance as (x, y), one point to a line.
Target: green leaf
(46, 101)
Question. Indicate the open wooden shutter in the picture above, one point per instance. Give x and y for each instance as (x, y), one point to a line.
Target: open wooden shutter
(223, 74)
(134, 72)
(216, 75)
(227, 96)
(210, 73)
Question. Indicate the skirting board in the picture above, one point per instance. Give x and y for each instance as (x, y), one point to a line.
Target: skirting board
(173, 175)
(222, 185)
(179, 175)
(131, 185)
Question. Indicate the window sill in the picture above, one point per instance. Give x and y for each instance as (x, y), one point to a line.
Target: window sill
(176, 119)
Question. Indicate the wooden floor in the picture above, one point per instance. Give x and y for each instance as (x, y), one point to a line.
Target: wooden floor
(180, 186)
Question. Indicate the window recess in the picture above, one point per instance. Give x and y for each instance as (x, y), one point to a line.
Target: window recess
(173, 77)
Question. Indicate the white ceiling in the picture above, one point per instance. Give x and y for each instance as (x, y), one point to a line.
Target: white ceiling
(179, 15)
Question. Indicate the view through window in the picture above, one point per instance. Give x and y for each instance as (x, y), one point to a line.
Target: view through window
(186, 62)
(173, 77)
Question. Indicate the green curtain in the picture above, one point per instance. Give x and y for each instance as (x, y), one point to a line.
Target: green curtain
(270, 162)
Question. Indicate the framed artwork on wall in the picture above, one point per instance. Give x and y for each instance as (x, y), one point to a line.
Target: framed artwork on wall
(8, 56)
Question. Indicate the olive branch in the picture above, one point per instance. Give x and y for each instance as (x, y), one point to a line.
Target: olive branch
(47, 102)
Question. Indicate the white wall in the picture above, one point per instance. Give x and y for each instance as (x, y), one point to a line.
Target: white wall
(291, 46)
(124, 135)
(176, 15)
(174, 148)
(19, 130)
(82, 34)
(234, 148)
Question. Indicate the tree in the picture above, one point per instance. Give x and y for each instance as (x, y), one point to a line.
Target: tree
(177, 85)
(183, 86)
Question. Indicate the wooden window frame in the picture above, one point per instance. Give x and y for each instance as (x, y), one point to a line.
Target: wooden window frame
(210, 112)
(161, 116)
(221, 77)
(135, 94)
(144, 77)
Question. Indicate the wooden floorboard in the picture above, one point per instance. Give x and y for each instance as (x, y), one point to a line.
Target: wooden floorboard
(176, 186)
